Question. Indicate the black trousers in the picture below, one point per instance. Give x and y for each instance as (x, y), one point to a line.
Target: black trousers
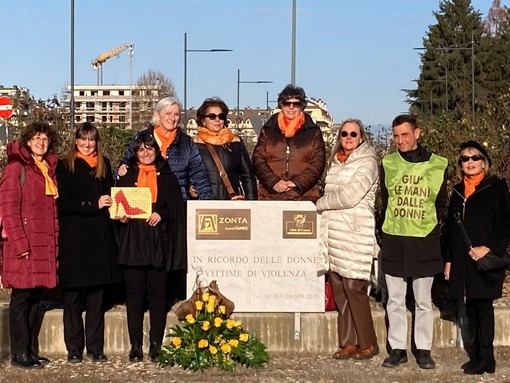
(480, 314)
(142, 282)
(25, 320)
(76, 335)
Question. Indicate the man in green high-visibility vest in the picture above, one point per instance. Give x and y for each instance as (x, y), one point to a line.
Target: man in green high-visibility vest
(413, 190)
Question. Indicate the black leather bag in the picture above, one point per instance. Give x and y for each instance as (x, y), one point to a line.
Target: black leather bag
(489, 261)
(493, 261)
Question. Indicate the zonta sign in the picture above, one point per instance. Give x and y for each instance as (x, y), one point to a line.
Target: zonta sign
(223, 224)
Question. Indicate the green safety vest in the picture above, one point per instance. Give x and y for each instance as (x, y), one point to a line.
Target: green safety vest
(412, 192)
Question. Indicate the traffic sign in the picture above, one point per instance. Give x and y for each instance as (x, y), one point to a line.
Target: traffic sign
(5, 107)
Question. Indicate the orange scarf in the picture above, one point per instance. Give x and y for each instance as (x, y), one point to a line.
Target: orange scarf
(342, 157)
(147, 178)
(50, 187)
(222, 137)
(164, 138)
(470, 183)
(90, 159)
(289, 128)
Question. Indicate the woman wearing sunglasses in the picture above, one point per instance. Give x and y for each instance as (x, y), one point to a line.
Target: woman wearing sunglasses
(289, 157)
(215, 143)
(347, 235)
(483, 203)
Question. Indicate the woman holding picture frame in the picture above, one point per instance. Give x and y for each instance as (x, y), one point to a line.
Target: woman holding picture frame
(149, 248)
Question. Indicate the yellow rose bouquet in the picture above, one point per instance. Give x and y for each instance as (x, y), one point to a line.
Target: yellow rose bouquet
(208, 337)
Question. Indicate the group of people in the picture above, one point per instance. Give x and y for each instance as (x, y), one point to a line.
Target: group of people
(57, 228)
(414, 246)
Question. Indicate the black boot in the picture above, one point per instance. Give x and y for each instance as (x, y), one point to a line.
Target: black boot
(425, 360)
(25, 361)
(154, 350)
(396, 357)
(469, 364)
(482, 366)
(136, 355)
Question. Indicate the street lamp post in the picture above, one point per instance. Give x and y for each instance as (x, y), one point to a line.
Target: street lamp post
(472, 49)
(245, 82)
(186, 50)
(131, 54)
(268, 100)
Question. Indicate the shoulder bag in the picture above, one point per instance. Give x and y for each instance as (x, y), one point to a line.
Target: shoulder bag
(223, 173)
(489, 261)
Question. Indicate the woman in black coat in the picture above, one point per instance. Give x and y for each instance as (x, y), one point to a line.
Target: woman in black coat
(88, 245)
(213, 131)
(483, 202)
(149, 248)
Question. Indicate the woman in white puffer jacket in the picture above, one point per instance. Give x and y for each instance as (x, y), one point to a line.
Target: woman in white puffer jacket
(348, 242)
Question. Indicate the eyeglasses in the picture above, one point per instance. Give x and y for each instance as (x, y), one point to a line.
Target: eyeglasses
(297, 104)
(38, 139)
(212, 116)
(475, 158)
(345, 134)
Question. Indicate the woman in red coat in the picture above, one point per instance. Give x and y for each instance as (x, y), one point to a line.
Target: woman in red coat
(30, 230)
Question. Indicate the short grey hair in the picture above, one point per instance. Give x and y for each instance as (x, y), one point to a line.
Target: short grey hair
(163, 104)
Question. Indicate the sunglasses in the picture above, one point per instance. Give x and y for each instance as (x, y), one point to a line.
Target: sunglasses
(475, 158)
(345, 134)
(212, 116)
(297, 104)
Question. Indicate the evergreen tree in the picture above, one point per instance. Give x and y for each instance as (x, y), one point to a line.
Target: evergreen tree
(445, 81)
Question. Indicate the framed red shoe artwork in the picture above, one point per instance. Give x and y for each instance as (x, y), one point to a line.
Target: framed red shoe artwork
(131, 202)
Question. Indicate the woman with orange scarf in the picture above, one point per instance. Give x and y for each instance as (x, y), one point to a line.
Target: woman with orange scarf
(214, 134)
(30, 228)
(149, 248)
(482, 202)
(289, 157)
(87, 244)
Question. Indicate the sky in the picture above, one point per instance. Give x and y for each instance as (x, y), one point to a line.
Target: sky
(356, 56)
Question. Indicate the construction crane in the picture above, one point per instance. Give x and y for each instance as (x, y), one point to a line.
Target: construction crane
(98, 62)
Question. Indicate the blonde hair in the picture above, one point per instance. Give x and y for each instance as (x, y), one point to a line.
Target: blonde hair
(338, 144)
(458, 165)
(161, 105)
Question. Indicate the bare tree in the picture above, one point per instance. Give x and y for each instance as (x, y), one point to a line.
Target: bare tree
(151, 87)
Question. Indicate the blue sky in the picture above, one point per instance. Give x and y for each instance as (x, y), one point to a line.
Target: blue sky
(354, 55)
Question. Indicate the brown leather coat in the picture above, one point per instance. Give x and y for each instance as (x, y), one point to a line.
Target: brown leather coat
(301, 159)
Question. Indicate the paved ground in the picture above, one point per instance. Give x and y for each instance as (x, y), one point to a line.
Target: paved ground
(281, 369)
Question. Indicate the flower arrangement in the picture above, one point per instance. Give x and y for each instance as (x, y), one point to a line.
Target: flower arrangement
(209, 338)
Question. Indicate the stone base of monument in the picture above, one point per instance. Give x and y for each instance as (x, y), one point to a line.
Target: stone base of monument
(281, 332)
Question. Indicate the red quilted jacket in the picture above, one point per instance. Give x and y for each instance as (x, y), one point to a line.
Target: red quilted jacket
(29, 221)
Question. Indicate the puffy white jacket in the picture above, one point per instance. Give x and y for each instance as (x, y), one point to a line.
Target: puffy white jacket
(347, 225)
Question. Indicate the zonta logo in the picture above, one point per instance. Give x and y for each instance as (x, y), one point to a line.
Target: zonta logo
(221, 224)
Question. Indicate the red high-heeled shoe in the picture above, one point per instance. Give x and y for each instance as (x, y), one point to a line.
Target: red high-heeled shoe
(120, 199)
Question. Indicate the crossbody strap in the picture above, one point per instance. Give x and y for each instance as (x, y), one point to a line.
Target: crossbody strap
(221, 169)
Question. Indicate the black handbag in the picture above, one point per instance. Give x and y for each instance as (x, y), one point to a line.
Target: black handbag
(489, 261)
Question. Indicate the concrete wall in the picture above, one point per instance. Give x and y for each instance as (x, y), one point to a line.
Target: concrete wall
(281, 332)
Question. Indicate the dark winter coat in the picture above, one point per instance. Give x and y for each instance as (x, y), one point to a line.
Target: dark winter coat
(29, 221)
(88, 244)
(185, 162)
(161, 246)
(237, 164)
(300, 159)
(486, 217)
(413, 256)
